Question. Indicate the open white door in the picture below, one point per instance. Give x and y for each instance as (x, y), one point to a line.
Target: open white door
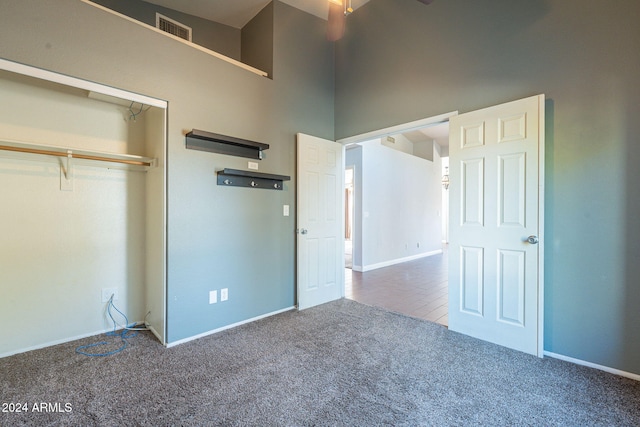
(320, 242)
(496, 213)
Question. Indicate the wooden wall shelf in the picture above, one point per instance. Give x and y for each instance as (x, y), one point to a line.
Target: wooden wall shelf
(222, 144)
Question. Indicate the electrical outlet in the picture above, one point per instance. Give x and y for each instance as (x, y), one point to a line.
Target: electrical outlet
(213, 297)
(107, 292)
(224, 294)
(285, 210)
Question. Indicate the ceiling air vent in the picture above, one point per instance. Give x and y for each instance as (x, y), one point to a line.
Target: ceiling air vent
(170, 26)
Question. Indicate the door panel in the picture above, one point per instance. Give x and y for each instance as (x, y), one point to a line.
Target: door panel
(320, 233)
(472, 283)
(312, 273)
(511, 280)
(495, 280)
(473, 192)
(512, 190)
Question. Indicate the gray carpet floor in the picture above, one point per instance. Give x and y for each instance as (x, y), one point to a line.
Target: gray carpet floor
(339, 364)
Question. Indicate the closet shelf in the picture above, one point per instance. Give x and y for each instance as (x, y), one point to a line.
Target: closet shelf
(129, 161)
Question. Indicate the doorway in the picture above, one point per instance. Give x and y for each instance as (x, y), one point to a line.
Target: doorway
(514, 298)
(413, 280)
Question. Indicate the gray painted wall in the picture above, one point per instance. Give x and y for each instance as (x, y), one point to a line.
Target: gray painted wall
(212, 35)
(401, 61)
(217, 237)
(257, 41)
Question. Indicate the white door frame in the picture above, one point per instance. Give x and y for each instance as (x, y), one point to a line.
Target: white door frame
(434, 120)
(392, 130)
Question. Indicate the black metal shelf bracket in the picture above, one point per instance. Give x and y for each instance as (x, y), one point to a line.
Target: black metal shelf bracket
(240, 178)
(222, 144)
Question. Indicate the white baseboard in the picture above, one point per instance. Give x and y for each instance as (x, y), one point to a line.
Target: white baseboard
(157, 335)
(214, 331)
(593, 365)
(56, 342)
(395, 261)
(66, 340)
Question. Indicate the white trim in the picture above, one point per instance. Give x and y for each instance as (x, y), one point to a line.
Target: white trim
(157, 335)
(60, 341)
(341, 266)
(54, 77)
(593, 365)
(188, 43)
(541, 178)
(70, 339)
(406, 127)
(395, 261)
(215, 331)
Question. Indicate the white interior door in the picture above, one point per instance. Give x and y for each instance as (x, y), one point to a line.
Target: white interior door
(320, 226)
(496, 204)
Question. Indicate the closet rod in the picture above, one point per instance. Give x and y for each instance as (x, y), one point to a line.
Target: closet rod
(75, 156)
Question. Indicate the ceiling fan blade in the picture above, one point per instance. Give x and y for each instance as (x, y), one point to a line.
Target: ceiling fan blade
(336, 22)
(427, 2)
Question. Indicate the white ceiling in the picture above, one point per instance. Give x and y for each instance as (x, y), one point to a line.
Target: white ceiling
(236, 13)
(438, 133)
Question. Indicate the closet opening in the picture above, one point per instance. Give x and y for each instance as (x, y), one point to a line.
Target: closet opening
(83, 207)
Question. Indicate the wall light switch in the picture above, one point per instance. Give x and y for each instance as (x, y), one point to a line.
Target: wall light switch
(253, 165)
(213, 297)
(285, 210)
(224, 294)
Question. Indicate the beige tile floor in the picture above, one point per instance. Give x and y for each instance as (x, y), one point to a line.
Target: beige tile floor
(416, 288)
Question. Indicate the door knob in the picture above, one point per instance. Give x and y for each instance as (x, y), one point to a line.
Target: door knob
(532, 239)
(303, 231)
